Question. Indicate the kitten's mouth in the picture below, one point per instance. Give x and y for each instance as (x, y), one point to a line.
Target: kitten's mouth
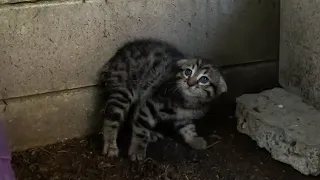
(190, 92)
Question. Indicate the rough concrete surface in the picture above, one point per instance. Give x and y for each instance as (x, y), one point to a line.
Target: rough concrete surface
(51, 46)
(284, 125)
(33, 121)
(299, 69)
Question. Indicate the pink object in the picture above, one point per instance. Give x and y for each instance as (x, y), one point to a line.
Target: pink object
(6, 172)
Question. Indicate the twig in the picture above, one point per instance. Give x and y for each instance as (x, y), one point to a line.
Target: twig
(166, 173)
(42, 149)
(79, 169)
(211, 145)
(186, 177)
(148, 159)
(5, 106)
(215, 136)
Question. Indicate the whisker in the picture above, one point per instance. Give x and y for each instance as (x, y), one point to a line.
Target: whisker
(171, 91)
(178, 88)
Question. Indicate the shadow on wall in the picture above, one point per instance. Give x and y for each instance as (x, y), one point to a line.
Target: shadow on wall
(227, 31)
(243, 31)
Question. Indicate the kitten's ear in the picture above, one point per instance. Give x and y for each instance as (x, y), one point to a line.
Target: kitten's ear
(181, 62)
(222, 86)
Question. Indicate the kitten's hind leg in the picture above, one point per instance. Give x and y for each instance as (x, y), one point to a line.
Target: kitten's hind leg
(116, 108)
(142, 125)
(139, 142)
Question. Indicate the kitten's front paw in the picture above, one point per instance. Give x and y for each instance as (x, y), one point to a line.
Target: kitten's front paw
(137, 156)
(110, 150)
(155, 136)
(198, 143)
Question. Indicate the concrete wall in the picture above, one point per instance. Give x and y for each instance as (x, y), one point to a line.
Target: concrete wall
(299, 49)
(51, 51)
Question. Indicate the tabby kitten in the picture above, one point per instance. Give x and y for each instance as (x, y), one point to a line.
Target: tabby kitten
(150, 81)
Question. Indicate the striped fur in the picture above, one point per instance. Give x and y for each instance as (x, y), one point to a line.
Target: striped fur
(149, 79)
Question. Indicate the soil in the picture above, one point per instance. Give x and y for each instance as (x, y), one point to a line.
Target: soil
(234, 156)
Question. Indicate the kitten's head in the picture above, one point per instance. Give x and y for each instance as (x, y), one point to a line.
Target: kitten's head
(199, 79)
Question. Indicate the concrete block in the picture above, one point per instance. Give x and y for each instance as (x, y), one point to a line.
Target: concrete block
(299, 67)
(52, 45)
(300, 23)
(284, 125)
(44, 119)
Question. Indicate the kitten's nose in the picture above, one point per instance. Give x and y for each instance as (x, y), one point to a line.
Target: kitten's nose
(191, 82)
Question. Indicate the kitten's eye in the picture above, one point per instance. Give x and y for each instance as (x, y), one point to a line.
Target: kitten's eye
(203, 80)
(187, 72)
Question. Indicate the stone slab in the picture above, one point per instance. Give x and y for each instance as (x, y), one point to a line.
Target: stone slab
(299, 67)
(52, 46)
(44, 119)
(284, 125)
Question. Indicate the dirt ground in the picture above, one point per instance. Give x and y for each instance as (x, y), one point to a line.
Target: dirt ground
(233, 157)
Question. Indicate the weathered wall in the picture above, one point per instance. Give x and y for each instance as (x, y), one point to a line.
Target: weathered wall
(299, 49)
(57, 47)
